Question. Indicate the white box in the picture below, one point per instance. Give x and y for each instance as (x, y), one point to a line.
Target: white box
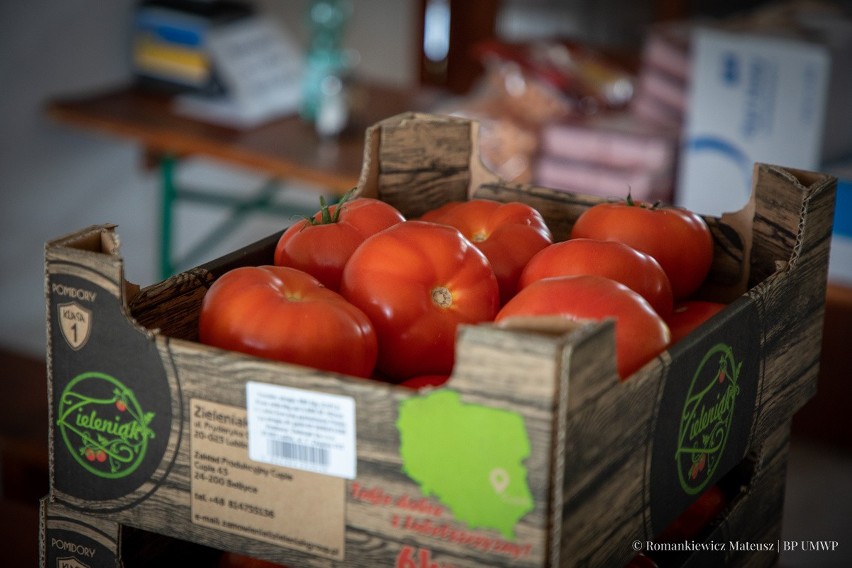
(753, 99)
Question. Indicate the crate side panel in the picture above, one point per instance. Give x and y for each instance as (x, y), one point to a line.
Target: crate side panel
(792, 303)
(784, 208)
(69, 538)
(379, 461)
(106, 382)
(172, 307)
(423, 164)
(754, 516)
(765, 500)
(371, 535)
(608, 432)
(415, 193)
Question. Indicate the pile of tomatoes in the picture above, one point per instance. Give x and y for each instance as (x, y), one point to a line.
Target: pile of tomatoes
(361, 290)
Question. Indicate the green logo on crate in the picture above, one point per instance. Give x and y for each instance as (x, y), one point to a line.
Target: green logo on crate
(706, 418)
(103, 426)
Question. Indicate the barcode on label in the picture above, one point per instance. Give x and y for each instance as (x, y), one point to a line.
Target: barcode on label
(301, 429)
(298, 452)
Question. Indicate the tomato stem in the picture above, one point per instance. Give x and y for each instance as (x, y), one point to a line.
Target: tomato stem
(326, 217)
(632, 203)
(479, 237)
(325, 214)
(442, 297)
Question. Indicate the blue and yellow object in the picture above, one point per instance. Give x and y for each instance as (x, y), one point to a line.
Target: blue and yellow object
(168, 42)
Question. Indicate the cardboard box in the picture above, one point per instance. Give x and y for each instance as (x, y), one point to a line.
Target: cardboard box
(604, 181)
(608, 155)
(563, 464)
(663, 80)
(752, 98)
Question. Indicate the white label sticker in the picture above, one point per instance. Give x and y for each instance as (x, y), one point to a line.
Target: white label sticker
(301, 429)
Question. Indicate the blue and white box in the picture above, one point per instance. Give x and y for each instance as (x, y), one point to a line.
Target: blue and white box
(753, 98)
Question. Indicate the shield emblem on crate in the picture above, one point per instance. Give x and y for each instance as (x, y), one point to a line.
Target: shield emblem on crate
(70, 563)
(75, 321)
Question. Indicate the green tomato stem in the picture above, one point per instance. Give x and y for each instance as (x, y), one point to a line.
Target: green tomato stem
(326, 218)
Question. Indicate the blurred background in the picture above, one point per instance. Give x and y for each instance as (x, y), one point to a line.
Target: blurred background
(556, 84)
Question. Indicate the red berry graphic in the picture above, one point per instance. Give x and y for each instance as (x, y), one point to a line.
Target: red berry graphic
(721, 376)
(119, 404)
(90, 454)
(101, 456)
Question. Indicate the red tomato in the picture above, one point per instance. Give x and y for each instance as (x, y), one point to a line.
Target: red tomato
(285, 314)
(688, 315)
(425, 381)
(702, 512)
(636, 270)
(234, 560)
(321, 246)
(640, 333)
(417, 281)
(509, 234)
(679, 239)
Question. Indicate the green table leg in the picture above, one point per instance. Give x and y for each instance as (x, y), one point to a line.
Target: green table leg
(240, 208)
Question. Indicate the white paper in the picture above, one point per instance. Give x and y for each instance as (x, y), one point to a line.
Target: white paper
(261, 69)
(301, 429)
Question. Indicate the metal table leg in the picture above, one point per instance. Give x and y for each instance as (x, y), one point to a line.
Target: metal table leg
(241, 208)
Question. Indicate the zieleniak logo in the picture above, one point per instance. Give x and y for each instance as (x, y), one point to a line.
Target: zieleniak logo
(706, 419)
(103, 426)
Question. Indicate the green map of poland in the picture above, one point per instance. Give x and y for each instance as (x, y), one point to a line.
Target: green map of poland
(469, 457)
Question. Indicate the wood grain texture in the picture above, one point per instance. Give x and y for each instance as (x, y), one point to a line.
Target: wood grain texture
(66, 525)
(591, 436)
(422, 162)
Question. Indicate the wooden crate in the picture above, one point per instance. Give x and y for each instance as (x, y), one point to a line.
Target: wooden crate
(585, 465)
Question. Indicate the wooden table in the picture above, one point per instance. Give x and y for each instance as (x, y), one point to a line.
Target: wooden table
(285, 149)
